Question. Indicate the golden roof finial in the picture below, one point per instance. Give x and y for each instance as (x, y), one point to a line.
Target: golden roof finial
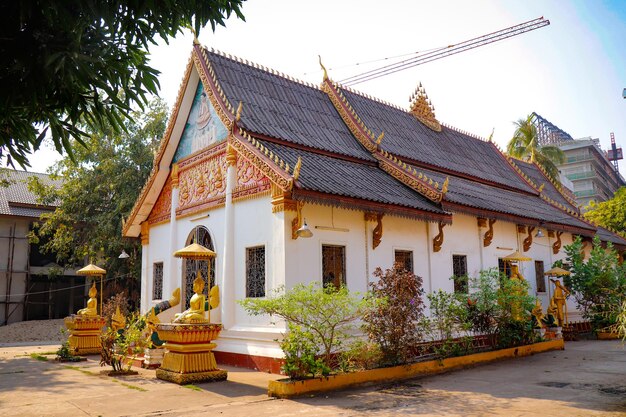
(239, 109)
(490, 139)
(296, 169)
(423, 110)
(380, 138)
(541, 187)
(323, 67)
(444, 187)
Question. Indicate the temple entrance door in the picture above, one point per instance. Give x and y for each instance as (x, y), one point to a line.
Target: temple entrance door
(201, 236)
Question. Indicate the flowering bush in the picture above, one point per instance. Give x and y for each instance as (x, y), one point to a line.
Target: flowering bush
(393, 321)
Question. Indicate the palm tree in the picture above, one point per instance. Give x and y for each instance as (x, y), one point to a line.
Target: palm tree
(525, 145)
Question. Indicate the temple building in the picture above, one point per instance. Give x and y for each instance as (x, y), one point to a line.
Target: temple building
(252, 157)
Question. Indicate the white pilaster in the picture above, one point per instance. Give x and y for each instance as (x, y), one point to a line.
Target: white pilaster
(173, 279)
(227, 282)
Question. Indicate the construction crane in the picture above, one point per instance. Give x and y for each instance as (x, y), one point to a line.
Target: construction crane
(615, 154)
(446, 51)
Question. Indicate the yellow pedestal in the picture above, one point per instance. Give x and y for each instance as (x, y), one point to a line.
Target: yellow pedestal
(85, 334)
(188, 357)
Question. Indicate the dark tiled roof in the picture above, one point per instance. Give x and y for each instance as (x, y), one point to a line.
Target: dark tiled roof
(16, 199)
(281, 108)
(538, 178)
(449, 149)
(334, 176)
(486, 197)
(608, 236)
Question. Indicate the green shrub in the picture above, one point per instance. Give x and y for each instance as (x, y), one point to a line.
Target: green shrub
(319, 320)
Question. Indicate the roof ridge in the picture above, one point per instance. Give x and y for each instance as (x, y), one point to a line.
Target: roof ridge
(261, 67)
(464, 132)
(370, 97)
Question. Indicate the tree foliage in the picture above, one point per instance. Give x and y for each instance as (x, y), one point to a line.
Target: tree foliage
(525, 145)
(599, 284)
(71, 61)
(98, 189)
(610, 214)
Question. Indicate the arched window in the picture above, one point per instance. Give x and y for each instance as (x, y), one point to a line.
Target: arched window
(201, 236)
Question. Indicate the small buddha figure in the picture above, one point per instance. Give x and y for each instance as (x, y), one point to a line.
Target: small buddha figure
(560, 294)
(92, 304)
(537, 315)
(195, 312)
(550, 317)
(118, 321)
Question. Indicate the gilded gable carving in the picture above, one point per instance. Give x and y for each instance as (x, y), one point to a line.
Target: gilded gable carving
(163, 206)
(202, 184)
(250, 180)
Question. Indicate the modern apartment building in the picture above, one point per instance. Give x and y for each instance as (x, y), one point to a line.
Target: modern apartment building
(587, 166)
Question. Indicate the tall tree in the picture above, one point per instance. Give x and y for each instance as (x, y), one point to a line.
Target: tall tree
(99, 188)
(62, 62)
(525, 145)
(610, 214)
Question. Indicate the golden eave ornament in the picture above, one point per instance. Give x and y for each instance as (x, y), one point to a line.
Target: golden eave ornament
(195, 251)
(517, 256)
(557, 272)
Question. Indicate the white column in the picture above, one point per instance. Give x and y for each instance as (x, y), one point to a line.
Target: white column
(146, 285)
(173, 278)
(227, 281)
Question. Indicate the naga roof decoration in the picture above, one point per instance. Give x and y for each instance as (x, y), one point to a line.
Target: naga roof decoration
(388, 162)
(423, 110)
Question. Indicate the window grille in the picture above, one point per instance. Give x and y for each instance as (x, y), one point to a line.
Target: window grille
(539, 277)
(459, 270)
(157, 281)
(405, 259)
(255, 272)
(334, 265)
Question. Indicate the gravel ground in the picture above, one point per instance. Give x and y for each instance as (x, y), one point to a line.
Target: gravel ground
(32, 331)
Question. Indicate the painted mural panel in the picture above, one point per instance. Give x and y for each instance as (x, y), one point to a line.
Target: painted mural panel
(203, 127)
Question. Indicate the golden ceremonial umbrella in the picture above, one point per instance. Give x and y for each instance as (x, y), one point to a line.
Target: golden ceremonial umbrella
(557, 272)
(195, 251)
(516, 256)
(94, 271)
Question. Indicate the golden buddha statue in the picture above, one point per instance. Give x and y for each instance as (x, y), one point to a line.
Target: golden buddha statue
(515, 273)
(550, 319)
(92, 304)
(195, 312)
(559, 296)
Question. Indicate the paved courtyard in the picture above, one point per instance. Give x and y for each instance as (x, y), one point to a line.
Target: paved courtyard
(587, 379)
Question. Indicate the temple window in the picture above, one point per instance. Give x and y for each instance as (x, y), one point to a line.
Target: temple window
(255, 272)
(504, 267)
(459, 273)
(405, 259)
(334, 265)
(157, 281)
(539, 277)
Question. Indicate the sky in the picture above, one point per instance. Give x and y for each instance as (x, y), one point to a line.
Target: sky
(571, 72)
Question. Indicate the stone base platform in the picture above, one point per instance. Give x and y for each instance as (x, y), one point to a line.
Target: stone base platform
(85, 334)
(191, 377)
